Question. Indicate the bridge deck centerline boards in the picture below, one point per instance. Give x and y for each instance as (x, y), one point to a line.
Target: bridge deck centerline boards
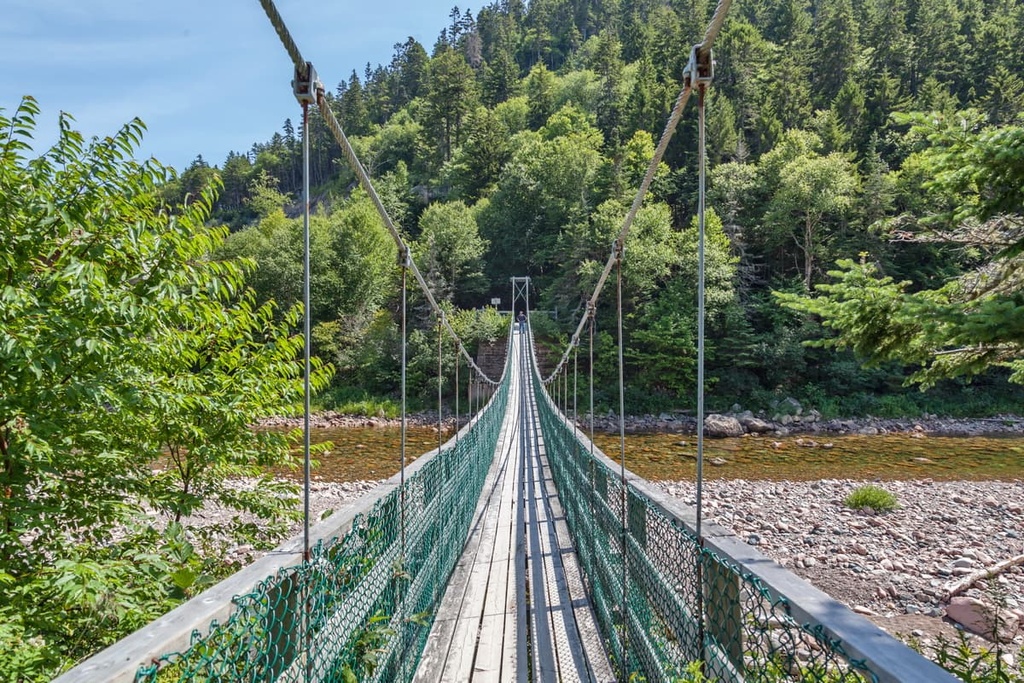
(518, 579)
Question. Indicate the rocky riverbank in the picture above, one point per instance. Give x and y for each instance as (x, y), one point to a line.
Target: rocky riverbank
(329, 419)
(894, 567)
(738, 423)
(790, 418)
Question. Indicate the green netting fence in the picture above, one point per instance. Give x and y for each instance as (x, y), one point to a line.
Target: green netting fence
(649, 600)
(362, 606)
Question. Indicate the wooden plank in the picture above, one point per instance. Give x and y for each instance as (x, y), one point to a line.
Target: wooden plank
(594, 655)
(513, 656)
(495, 642)
(487, 665)
(543, 661)
(442, 638)
(517, 541)
(567, 654)
(463, 654)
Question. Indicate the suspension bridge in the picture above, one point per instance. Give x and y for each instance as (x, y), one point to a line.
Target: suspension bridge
(517, 551)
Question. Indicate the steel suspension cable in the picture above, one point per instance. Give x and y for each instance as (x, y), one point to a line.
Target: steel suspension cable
(715, 25)
(304, 69)
(286, 37)
(457, 363)
(306, 362)
(575, 387)
(567, 391)
(700, 304)
(364, 180)
(591, 460)
(645, 184)
(590, 364)
(560, 394)
(404, 437)
(401, 478)
(306, 369)
(701, 191)
(622, 468)
(440, 420)
(701, 54)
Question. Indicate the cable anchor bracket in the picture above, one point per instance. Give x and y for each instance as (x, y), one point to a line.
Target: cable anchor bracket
(404, 260)
(700, 70)
(306, 86)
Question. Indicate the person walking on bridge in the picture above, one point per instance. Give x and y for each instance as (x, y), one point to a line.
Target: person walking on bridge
(522, 321)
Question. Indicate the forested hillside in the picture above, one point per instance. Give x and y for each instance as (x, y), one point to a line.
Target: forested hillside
(514, 144)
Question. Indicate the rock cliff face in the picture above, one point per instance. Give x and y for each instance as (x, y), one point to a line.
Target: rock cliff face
(491, 358)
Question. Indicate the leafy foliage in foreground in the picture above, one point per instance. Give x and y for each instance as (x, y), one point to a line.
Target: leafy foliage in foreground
(131, 369)
(976, 320)
(976, 665)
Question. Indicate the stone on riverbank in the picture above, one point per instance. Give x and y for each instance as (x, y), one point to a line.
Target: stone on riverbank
(722, 426)
(984, 619)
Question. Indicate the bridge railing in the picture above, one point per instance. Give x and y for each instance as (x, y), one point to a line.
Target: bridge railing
(669, 604)
(359, 609)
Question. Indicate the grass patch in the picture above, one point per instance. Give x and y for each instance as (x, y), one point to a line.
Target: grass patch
(874, 497)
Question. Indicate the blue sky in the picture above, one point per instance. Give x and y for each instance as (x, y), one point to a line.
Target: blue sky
(206, 77)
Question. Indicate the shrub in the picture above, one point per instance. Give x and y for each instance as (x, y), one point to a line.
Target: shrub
(972, 664)
(874, 497)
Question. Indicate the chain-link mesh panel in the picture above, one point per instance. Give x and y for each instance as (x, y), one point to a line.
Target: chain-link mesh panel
(668, 608)
(362, 606)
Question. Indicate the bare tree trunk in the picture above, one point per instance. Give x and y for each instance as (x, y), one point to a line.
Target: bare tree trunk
(969, 580)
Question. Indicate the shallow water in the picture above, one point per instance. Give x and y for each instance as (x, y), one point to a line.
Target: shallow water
(369, 453)
(362, 453)
(806, 458)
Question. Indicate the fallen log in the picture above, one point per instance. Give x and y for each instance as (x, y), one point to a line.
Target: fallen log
(959, 586)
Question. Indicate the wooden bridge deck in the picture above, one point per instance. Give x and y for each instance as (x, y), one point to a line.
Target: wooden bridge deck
(515, 608)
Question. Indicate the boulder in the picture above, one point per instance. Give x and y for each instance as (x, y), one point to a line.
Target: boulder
(721, 426)
(791, 406)
(984, 619)
(756, 425)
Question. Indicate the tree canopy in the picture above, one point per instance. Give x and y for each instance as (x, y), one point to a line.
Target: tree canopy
(974, 321)
(537, 121)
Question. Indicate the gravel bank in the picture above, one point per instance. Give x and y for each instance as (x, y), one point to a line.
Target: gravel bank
(892, 567)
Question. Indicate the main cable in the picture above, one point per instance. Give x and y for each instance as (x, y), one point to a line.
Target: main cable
(364, 180)
(701, 52)
(304, 70)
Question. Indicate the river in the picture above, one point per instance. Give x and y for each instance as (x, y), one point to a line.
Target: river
(369, 453)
